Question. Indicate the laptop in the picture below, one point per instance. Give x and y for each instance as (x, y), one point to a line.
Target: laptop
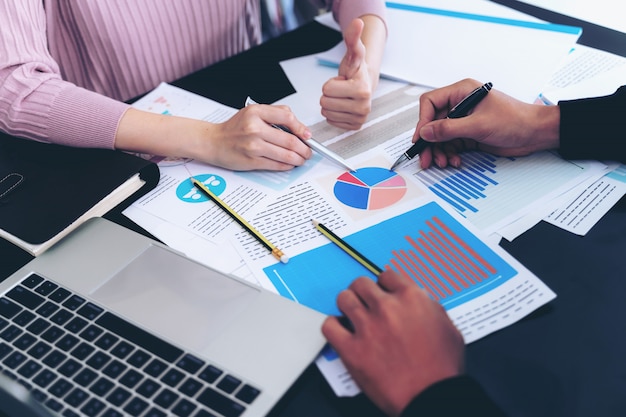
(15, 400)
(111, 323)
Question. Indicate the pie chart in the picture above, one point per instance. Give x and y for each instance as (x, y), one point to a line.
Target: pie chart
(370, 188)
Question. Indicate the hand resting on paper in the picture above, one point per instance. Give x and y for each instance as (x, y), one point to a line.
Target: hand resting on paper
(400, 343)
(246, 141)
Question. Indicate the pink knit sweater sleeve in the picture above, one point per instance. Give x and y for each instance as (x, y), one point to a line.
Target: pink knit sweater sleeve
(35, 102)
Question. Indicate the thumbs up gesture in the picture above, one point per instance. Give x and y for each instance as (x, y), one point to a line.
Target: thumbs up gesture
(347, 98)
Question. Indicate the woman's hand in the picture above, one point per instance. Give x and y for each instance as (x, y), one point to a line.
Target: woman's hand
(246, 141)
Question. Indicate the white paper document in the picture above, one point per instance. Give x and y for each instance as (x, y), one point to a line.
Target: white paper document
(395, 221)
(405, 220)
(584, 208)
(281, 206)
(601, 84)
(435, 47)
(493, 192)
(586, 72)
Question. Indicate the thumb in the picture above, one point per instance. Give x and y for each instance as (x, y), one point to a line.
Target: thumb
(355, 50)
(443, 130)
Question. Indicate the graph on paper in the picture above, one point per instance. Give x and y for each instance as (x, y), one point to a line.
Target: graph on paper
(370, 188)
(488, 189)
(188, 193)
(426, 244)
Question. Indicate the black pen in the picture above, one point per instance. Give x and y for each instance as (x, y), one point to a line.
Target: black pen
(460, 110)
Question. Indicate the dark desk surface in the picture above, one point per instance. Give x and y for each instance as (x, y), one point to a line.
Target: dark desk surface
(566, 359)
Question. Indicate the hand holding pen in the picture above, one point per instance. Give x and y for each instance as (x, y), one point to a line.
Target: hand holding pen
(460, 110)
(500, 125)
(310, 142)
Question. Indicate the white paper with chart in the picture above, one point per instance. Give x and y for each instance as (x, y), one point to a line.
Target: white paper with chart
(361, 206)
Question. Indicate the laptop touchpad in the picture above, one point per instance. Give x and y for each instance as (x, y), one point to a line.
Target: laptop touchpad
(175, 297)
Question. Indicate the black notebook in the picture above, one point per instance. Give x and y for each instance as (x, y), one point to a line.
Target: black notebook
(47, 190)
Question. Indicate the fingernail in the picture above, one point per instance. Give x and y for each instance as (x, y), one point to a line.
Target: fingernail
(307, 134)
(427, 132)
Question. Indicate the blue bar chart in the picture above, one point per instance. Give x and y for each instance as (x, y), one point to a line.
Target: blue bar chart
(425, 244)
(487, 189)
(460, 186)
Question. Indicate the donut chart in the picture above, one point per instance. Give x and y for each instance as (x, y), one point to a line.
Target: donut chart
(370, 188)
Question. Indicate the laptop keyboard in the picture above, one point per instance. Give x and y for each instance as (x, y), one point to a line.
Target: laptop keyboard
(80, 360)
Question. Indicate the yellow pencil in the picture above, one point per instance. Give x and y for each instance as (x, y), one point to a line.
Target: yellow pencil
(278, 254)
(371, 266)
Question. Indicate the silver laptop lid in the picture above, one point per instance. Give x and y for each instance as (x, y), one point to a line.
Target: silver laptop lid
(251, 333)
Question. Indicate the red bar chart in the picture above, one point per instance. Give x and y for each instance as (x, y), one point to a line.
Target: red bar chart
(426, 244)
(441, 261)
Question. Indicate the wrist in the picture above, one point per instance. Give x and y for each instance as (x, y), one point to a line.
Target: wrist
(374, 38)
(200, 140)
(546, 122)
(156, 134)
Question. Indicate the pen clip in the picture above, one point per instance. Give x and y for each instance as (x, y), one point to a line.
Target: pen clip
(469, 102)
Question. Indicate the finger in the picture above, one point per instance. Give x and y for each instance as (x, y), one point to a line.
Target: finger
(347, 125)
(392, 281)
(344, 120)
(336, 90)
(427, 111)
(444, 130)
(436, 103)
(426, 158)
(355, 50)
(453, 149)
(455, 160)
(352, 306)
(336, 334)
(262, 122)
(280, 146)
(346, 105)
(368, 291)
(439, 156)
(283, 116)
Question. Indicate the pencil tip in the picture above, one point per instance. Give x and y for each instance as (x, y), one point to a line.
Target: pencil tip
(315, 222)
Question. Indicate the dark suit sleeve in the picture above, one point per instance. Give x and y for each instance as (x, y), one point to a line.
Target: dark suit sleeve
(594, 128)
(458, 396)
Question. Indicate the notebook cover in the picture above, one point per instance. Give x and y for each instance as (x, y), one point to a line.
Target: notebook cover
(48, 186)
